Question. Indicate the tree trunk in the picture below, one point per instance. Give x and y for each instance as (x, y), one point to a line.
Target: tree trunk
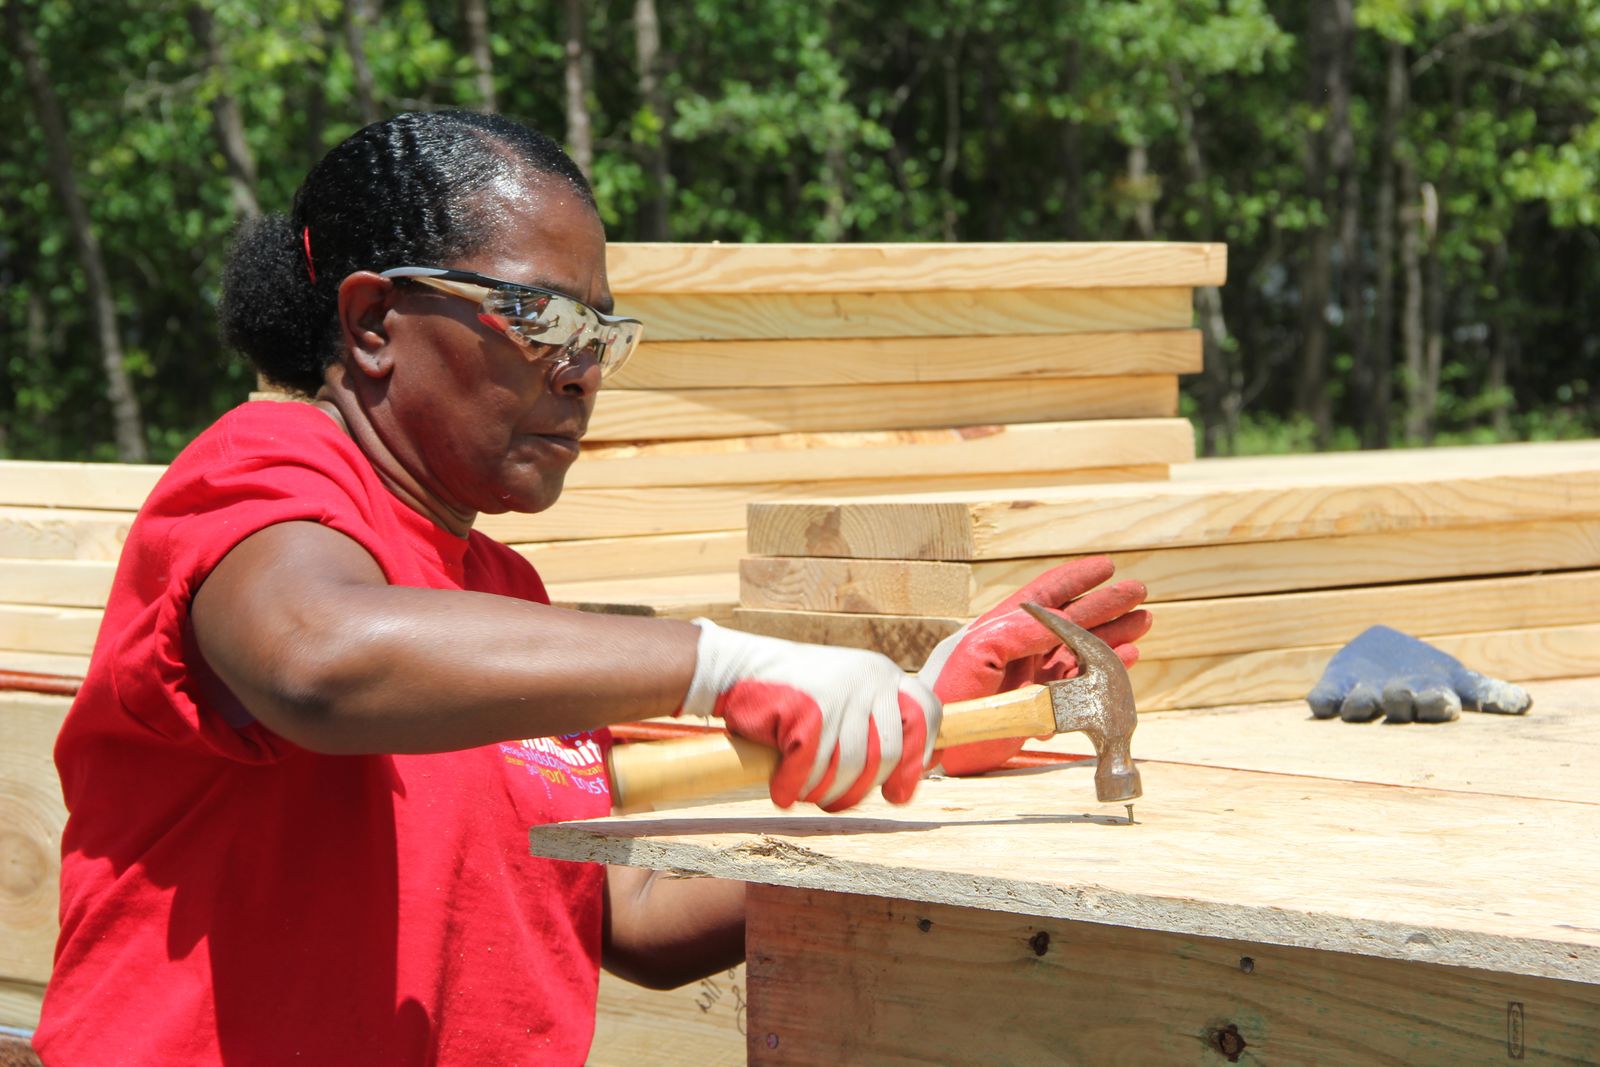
(1433, 296)
(357, 17)
(1139, 188)
(952, 133)
(475, 17)
(1502, 345)
(1347, 194)
(1316, 275)
(580, 136)
(126, 419)
(225, 117)
(655, 208)
(1411, 329)
(1070, 150)
(1380, 349)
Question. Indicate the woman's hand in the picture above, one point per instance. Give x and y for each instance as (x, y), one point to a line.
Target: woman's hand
(1006, 647)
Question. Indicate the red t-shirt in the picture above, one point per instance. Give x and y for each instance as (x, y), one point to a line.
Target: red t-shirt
(229, 897)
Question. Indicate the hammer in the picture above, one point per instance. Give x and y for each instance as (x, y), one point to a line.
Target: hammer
(1099, 701)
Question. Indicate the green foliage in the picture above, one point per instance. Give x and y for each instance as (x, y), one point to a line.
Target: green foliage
(840, 120)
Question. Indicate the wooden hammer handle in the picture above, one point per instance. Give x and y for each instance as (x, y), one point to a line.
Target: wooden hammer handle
(646, 775)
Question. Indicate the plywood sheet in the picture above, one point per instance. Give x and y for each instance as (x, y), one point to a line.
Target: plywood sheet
(966, 526)
(777, 316)
(923, 587)
(1371, 870)
(658, 414)
(1040, 447)
(693, 269)
(1551, 752)
(869, 360)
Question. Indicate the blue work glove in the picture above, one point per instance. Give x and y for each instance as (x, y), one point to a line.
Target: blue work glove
(1386, 672)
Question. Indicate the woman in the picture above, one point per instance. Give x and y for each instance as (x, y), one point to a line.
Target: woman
(322, 711)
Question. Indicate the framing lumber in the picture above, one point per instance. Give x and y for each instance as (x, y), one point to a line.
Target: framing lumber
(694, 269)
(905, 639)
(1522, 456)
(90, 486)
(600, 559)
(872, 360)
(1289, 673)
(592, 513)
(922, 587)
(687, 596)
(907, 454)
(44, 663)
(1403, 874)
(958, 526)
(69, 583)
(62, 631)
(62, 533)
(1052, 991)
(781, 316)
(33, 815)
(699, 1025)
(651, 414)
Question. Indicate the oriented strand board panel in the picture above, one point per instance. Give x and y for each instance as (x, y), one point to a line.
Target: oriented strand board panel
(1289, 673)
(780, 316)
(964, 526)
(110, 486)
(591, 513)
(648, 414)
(924, 587)
(606, 558)
(869, 360)
(31, 819)
(1556, 744)
(840, 978)
(1040, 447)
(695, 269)
(62, 533)
(1396, 873)
(75, 583)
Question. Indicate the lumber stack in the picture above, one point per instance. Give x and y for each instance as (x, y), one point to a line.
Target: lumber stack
(772, 372)
(1258, 570)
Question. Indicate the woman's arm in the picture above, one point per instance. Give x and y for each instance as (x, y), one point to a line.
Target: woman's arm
(300, 624)
(662, 931)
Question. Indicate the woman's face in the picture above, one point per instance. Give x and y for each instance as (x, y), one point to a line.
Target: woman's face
(482, 423)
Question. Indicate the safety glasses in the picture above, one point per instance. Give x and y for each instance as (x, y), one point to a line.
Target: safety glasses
(535, 317)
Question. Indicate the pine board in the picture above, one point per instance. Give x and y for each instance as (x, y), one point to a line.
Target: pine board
(62, 533)
(1289, 673)
(31, 819)
(1524, 456)
(1550, 753)
(605, 558)
(59, 664)
(694, 269)
(905, 639)
(924, 587)
(963, 526)
(592, 513)
(1383, 871)
(650, 414)
(63, 631)
(678, 596)
(20, 1003)
(73, 583)
(699, 1025)
(917, 453)
(840, 978)
(787, 316)
(872, 360)
(111, 486)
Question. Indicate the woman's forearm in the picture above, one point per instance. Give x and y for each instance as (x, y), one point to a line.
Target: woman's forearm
(662, 931)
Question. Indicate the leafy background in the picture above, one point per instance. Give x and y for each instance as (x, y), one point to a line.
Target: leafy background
(1409, 189)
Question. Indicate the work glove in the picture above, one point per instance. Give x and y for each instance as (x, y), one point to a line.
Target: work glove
(844, 720)
(1385, 672)
(1006, 648)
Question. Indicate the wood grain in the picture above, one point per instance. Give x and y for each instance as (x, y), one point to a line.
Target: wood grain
(607, 558)
(62, 533)
(845, 978)
(1419, 875)
(112, 486)
(658, 414)
(31, 819)
(699, 1025)
(61, 631)
(918, 266)
(686, 596)
(873, 360)
(906, 639)
(792, 316)
(76, 583)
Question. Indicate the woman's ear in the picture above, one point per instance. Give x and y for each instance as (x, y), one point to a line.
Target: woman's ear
(365, 299)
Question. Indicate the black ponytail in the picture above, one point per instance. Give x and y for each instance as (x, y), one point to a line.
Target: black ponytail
(394, 193)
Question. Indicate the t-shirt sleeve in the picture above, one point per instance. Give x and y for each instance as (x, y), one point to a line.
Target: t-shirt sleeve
(249, 472)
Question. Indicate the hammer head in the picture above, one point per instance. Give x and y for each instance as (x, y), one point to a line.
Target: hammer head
(1099, 702)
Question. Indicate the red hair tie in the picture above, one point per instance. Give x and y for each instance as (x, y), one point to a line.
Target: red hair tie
(310, 267)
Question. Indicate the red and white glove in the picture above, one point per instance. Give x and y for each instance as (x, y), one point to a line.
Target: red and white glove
(844, 720)
(1006, 648)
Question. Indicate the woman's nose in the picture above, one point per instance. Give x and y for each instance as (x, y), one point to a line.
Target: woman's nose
(577, 373)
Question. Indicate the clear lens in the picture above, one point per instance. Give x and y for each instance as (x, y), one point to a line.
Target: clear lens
(539, 319)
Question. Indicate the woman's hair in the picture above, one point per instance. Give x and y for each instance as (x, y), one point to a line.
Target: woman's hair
(397, 193)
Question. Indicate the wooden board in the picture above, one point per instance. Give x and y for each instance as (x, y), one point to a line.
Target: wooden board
(686, 596)
(840, 978)
(781, 316)
(961, 526)
(590, 513)
(63, 631)
(1289, 673)
(657, 414)
(31, 819)
(694, 269)
(909, 454)
(924, 587)
(905, 639)
(1522, 456)
(869, 360)
(699, 1025)
(606, 558)
(76, 583)
(1407, 874)
(62, 533)
(61, 665)
(1551, 752)
(113, 486)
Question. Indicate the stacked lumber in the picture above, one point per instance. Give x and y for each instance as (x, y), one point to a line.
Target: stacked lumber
(1258, 570)
(772, 372)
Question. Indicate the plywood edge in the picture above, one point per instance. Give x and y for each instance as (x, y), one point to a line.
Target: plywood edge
(775, 861)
